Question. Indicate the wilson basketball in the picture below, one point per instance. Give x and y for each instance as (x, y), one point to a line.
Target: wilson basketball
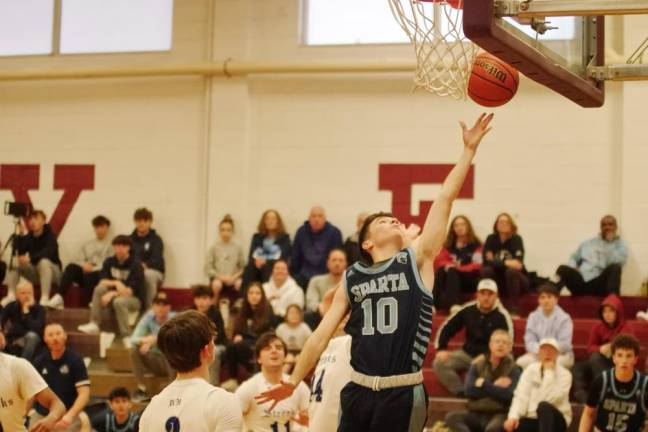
(492, 82)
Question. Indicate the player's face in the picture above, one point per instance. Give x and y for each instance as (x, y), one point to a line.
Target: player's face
(202, 303)
(280, 272)
(499, 345)
(226, 231)
(385, 230)
(624, 359)
(273, 355)
(460, 227)
(36, 223)
(254, 295)
(486, 299)
(121, 406)
(547, 302)
(143, 226)
(336, 263)
(101, 231)
(609, 315)
(504, 225)
(55, 337)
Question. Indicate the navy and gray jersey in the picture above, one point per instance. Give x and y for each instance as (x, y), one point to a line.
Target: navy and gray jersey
(621, 406)
(391, 316)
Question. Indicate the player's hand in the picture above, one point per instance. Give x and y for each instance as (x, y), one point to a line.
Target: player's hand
(443, 355)
(64, 423)
(302, 418)
(44, 425)
(473, 136)
(511, 424)
(276, 394)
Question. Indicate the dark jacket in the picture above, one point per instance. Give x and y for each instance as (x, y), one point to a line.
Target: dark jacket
(310, 250)
(215, 316)
(43, 246)
(603, 333)
(149, 249)
(478, 325)
(15, 324)
(512, 248)
(490, 398)
(130, 272)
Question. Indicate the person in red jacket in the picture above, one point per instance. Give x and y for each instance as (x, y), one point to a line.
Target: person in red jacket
(457, 266)
(599, 347)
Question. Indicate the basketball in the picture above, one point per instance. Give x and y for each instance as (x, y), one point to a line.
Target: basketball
(492, 82)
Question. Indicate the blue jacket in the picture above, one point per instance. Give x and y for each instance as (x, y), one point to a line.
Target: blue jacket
(595, 254)
(310, 250)
(558, 325)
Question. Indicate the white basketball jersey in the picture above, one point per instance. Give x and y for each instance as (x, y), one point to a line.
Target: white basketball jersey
(258, 419)
(19, 382)
(192, 405)
(332, 373)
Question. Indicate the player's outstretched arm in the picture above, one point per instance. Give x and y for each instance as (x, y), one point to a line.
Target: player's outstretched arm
(49, 400)
(434, 231)
(312, 350)
(587, 419)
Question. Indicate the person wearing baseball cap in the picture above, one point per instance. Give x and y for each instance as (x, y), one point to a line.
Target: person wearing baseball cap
(479, 318)
(541, 398)
(145, 354)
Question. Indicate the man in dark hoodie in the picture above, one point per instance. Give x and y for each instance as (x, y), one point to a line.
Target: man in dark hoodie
(38, 258)
(149, 249)
(313, 242)
(490, 382)
(599, 347)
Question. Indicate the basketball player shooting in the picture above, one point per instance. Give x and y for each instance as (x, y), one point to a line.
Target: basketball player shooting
(391, 313)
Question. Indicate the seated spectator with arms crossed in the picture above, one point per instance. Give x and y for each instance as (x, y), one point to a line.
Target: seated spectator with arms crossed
(490, 383)
(23, 322)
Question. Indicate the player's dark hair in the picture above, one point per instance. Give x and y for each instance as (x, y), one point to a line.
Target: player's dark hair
(548, 288)
(626, 341)
(123, 240)
(364, 233)
(183, 337)
(119, 392)
(100, 220)
(264, 342)
(201, 291)
(143, 213)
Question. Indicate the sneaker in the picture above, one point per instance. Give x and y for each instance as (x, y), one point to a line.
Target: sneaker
(56, 302)
(140, 396)
(642, 315)
(89, 328)
(126, 341)
(105, 341)
(8, 299)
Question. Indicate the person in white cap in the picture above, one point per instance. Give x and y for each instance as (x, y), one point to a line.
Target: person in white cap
(541, 399)
(479, 318)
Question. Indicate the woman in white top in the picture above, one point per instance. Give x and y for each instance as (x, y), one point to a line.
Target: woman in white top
(282, 290)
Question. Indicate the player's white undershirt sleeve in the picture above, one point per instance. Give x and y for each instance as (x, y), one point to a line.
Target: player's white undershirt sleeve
(223, 412)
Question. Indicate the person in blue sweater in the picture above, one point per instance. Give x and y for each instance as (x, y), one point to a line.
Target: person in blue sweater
(490, 382)
(548, 321)
(313, 242)
(595, 267)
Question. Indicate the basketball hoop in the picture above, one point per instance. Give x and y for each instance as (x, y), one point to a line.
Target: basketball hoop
(444, 55)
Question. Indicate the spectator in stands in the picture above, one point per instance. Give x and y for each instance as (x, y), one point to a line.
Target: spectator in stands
(479, 318)
(85, 271)
(202, 300)
(149, 250)
(145, 354)
(225, 262)
(38, 258)
(253, 319)
(121, 289)
(541, 398)
(319, 285)
(595, 267)
(351, 246)
(270, 243)
(504, 260)
(490, 382)
(313, 242)
(294, 332)
(22, 322)
(548, 321)
(282, 290)
(65, 373)
(119, 416)
(599, 347)
(458, 264)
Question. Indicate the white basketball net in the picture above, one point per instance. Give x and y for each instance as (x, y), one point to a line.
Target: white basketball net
(444, 55)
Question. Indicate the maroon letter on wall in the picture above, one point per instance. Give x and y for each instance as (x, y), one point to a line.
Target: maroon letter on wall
(20, 179)
(72, 179)
(399, 179)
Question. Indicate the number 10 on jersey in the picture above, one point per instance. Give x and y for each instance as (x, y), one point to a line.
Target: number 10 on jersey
(386, 313)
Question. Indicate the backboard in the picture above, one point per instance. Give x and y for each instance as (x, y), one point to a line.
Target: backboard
(557, 58)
